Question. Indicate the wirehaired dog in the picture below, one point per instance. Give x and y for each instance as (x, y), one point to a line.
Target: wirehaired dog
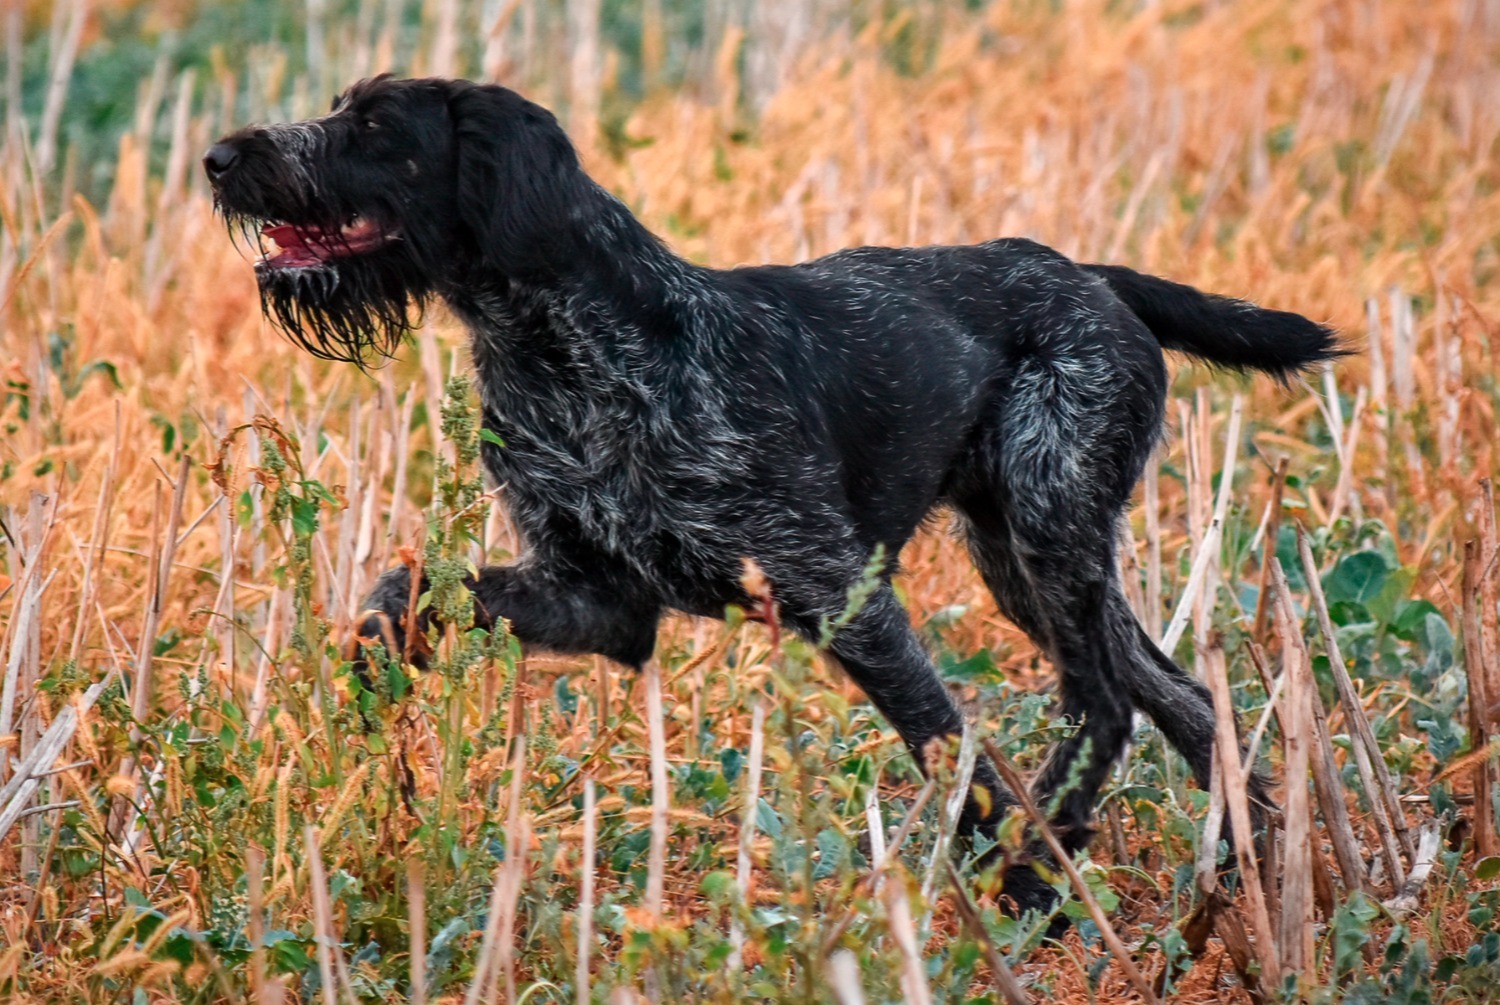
(662, 421)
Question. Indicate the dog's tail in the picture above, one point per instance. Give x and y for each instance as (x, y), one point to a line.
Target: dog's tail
(1222, 330)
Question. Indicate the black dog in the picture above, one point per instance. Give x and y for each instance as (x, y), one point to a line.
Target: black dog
(663, 421)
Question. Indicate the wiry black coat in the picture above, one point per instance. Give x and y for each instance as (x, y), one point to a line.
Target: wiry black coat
(662, 421)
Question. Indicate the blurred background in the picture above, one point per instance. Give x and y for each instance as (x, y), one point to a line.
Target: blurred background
(83, 73)
(191, 509)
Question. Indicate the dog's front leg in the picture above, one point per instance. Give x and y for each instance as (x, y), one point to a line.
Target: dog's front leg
(604, 613)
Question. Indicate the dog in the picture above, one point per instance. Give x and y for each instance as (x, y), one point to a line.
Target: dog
(662, 421)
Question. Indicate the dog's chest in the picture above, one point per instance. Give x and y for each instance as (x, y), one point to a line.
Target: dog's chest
(634, 457)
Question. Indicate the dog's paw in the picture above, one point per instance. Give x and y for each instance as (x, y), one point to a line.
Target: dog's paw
(374, 627)
(377, 639)
(1016, 878)
(381, 629)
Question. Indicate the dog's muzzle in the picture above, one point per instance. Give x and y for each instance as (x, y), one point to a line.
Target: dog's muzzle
(219, 159)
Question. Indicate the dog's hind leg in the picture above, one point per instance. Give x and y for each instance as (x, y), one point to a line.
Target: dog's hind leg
(1059, 595)
(1042, 493)
(1138, 673)
(1178, 703)
(883, 655)
(1049, 559)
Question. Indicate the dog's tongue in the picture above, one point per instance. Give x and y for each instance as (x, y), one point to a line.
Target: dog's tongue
(303, 246)
(285, 236)
(295, 247)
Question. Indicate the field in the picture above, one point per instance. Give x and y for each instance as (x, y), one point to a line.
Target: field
(200, 803)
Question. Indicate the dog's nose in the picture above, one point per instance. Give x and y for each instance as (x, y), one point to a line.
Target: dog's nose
(219, 159)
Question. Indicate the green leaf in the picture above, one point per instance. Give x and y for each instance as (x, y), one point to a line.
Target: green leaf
(1098, 883)
(718, 953)
(833, 853)
(770, 914)
(103, 366)
(168, 433)
(341, 882)
(1351, 932)
(1487, 868)
(766, 820)
(1411, 621)
(1385, 605)
(730, 760)
(717, 885)
(490, 436)
(317, 490)
(288, 954)
(1444, 738)
(1438, 639)
(1357, 579)
(396, 680)
(1289, 556)
(977, 669)
(304, 517)
(179, 946)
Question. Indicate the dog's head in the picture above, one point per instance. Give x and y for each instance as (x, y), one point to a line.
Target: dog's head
(406, 188)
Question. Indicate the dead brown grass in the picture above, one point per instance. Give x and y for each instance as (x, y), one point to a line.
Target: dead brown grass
(1338, 158)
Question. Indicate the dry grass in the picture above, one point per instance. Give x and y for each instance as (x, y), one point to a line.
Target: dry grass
(1337, 158)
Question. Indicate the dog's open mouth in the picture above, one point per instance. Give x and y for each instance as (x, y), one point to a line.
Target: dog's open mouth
(300, 247)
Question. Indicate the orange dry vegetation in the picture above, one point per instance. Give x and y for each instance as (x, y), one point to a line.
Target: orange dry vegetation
(1336, 158)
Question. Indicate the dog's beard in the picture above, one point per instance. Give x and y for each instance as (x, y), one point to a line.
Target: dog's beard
(352, 303)
(344, 309)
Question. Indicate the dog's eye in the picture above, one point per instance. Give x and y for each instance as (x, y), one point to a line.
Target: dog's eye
(368, 124)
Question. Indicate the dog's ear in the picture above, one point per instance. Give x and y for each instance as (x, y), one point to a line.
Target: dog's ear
(519, 180)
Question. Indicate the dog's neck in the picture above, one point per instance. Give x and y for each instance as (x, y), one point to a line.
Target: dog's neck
(599, 274)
